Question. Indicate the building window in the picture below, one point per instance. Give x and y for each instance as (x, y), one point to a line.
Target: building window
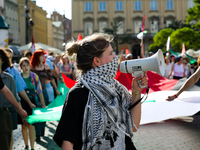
(153, 5)
(102, 6)
(190, 4)
(138, 5)
(88, 28)
(169, 5)
(154, 26)
(102, 25)
(168, 22)
(120, 27)
(119, 5)
(88, 6)
(138, 24)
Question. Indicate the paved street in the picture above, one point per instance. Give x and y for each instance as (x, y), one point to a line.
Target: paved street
(175, 134)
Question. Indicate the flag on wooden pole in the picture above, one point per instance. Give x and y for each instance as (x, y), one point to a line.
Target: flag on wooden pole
(143, 24)
(168, 44)
(141, 34)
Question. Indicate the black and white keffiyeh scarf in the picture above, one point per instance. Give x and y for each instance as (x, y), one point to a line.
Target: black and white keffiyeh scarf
(106, 117)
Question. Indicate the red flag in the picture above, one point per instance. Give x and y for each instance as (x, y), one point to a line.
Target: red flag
(127, 51)
(79, 38)
(68, 82)
(33, 44)
(46, 52)
(143, 23)
(155, 81)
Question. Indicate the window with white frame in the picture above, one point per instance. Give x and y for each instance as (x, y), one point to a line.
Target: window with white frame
(169, 5)
(88, 6)
(102, 25)
(137, 26)
(153, 5)
(191, 3)
(119, 5)
(154, 26)
(120, 27)
(138, 5)
(88, 28)
(102, 6)
(168, 22)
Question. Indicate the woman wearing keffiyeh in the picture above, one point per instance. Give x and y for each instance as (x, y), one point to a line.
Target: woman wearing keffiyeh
(95, 114)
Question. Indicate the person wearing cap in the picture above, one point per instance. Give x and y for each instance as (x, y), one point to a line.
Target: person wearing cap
(150, 54)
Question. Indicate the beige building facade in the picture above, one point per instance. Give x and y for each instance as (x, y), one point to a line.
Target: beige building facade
(58, 34)
(91, 16)
(49, 32)
(11, 18)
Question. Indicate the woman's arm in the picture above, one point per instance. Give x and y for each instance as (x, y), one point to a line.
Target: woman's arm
(142, 49)
(25, 97)
(66, 145)
(55, 86)
(41, 97)
(171, 71)
(67, 73)
(184, 75)
(136, 95)
(10, 97)
(189, 82)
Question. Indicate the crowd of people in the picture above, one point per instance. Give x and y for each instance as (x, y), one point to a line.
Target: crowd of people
(98, 106)
(33, 84)
(176, 67)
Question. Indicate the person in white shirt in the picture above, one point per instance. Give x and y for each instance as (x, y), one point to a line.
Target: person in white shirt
(178, 69)
(168, 67)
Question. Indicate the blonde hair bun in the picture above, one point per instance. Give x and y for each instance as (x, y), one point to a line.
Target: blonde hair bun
(72, 47)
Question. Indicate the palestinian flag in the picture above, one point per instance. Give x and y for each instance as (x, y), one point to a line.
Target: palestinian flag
(155, 108)
(157, 82)
(141, 34)
(192, 60)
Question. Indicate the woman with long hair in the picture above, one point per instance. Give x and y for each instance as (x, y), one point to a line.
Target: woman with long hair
(168, 67)
(43, 71)
(66, 67)
(178, 69)
(33, 89)
(97, 113)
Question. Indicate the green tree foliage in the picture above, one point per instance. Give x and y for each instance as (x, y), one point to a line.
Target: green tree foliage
(194, 14)
(178, 25)
(186, 35)
(160, 40)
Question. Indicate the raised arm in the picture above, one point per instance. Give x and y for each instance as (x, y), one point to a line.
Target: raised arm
(136, 95)
(189, 82)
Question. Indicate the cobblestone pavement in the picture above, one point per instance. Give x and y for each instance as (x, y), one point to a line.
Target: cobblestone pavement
(181, 133)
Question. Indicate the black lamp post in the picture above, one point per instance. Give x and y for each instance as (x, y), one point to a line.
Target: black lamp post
(63, 20)
(27, 15)
(29, 21)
